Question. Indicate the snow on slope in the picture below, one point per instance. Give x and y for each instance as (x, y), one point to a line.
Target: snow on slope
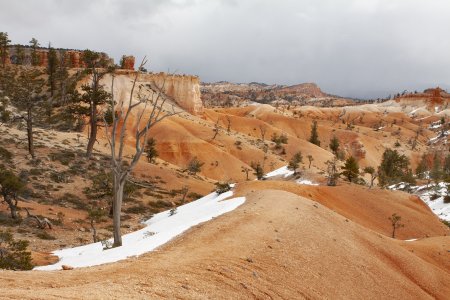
(160, 229)
(432, 194)
(283, 171)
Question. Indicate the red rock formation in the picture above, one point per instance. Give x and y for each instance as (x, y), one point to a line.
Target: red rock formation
(128, 62)
(43, 58)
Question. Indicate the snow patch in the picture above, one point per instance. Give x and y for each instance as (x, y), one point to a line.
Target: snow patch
(283, 171)
(160, 229)
(306, 182)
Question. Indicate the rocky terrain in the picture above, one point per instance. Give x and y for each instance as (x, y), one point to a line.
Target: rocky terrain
(294, 237)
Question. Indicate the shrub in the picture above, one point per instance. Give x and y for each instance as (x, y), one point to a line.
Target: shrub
(195, 166)
(14, 254)
(447, 199)
(44, 235)
(137, 209)
(222, 187)
(5, 154)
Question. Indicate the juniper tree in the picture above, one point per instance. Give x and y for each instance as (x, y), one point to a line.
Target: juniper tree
(258, 170)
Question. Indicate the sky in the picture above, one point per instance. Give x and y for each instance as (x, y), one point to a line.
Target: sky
(354, 48)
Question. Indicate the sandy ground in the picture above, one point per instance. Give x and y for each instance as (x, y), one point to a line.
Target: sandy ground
(276, 246)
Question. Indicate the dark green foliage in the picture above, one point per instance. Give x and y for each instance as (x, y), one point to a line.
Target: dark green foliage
(351, 169)
(52, 64)
(334, 144)
(5, 155)
(314, 138)
(194, 166)
(222, 187)
(258, 170)
(151, 151)
(279, 140)
(137, 209)
(44, 235)
(394, 168)
(10, 187)
(34, 44)
(63, 156)
(4, 43)
(436, 170)
(295, 161)
(14, 254)
(422, 167)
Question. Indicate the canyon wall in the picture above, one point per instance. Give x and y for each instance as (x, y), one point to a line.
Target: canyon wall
(183, 89)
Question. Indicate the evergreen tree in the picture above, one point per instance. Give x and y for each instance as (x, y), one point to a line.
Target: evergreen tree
(151, 151)
(295, 161)
(20, 55)
(351, 169)
(314, 138)
(10, 187)
(258, 170)
(34, 44)
(4, 43)
(394, 168)
(334, 145)
(52, 66)
(27, 94)
(436, 170)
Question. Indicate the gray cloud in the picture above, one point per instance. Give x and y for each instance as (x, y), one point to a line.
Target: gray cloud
(360, 48)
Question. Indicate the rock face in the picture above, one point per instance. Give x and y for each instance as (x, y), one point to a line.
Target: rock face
(183, 89)
(432, 97)
(128, 62)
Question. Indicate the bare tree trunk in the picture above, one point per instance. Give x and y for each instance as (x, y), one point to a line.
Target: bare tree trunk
(30, 131)
(117, 208)
(93, 131)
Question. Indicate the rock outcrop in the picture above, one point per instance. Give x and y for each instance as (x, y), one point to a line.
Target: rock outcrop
(128, 62)
(183, 89)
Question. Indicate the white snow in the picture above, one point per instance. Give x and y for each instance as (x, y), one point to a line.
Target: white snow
(160, 229)
(411, 240)
(306, 182)
(283, 171)
(426, 193)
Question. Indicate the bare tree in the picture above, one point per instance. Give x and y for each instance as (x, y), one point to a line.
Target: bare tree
(216, 129)
(245, 170)
(151, 104)
(228, 125)
(395, 222)
(373, 174)
(310, 159)
(262, 130)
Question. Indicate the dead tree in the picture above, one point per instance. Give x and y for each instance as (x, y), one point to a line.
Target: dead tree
(228, 125)
(395, 222)
(41, 223)
(216, 129)
(262, 130)
(151, 104)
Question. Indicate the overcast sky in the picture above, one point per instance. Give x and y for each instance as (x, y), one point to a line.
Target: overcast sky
(358, 48)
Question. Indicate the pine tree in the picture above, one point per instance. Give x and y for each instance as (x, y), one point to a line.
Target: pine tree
(351, 169)
(151, 151)
(334, 145)
(295, 161)
(34, 44)
(314, 139)
(4, 43)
